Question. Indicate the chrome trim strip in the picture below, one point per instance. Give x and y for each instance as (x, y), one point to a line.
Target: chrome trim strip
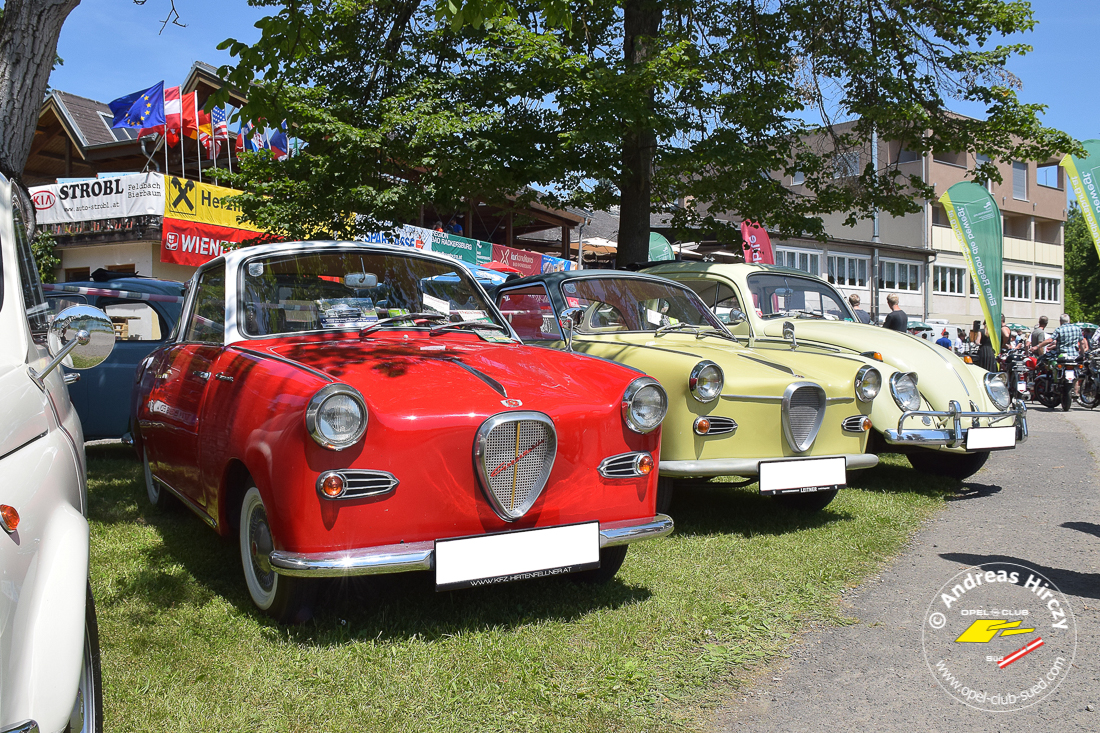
(404, 558)
(750, 466)
(24, 445)
(187, 501)
(954, 436)
(23, 726)
(839, 400)
(284, 360)
(492, 383)
(754, 397)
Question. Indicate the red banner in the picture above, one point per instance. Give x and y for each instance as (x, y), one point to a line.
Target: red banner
(194, 244)
(756, 244)
(529, 263)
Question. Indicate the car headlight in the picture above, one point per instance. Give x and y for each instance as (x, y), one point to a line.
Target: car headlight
(336, 416)
(868, 383)
(644, 405)
(706, 381)
(996, 386)
(903, 388)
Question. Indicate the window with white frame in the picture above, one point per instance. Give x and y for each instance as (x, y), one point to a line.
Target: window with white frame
(846, 165)
(798, 178)
(1017, 287)
(848, 271)
(800, 260)
(895, 275)
(948, 280)
(1046, 289)
(979, 159)
(1019, 180)
(1049, 175)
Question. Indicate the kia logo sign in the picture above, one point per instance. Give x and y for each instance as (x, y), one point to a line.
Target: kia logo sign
(42, 200)
(172, 242)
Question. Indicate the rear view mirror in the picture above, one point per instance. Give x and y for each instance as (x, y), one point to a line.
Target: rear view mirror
(361, 280)
(569, 320)
(82, 336)
(734, 317)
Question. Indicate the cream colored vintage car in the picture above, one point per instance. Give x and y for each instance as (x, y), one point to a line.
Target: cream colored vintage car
(945, 414)
(795, 422)
(49, 643)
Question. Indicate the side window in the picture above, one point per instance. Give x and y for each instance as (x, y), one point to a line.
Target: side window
(134, 320)
(530, 313)
(33, 299)
(721, 299)
(207, 321)
(59, 303)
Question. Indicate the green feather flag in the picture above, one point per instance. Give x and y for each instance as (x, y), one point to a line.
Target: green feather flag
(976, 220)
(1084, 176)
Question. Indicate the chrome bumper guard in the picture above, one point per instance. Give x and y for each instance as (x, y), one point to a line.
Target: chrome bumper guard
(750, 466)
(412, 556)
(955, 435)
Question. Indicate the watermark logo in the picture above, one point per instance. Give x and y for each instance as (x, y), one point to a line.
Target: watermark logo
(999, 637)
(42, 200)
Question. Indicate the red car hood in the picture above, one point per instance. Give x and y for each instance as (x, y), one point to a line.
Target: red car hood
(413, 372)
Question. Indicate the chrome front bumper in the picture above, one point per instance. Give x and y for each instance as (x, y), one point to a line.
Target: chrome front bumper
(749, 466)
(953, 436)
(405, 558)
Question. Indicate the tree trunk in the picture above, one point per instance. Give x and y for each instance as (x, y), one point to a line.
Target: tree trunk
(641, 23)
(29, 31)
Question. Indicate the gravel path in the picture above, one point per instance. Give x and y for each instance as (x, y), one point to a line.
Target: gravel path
(1039, 506)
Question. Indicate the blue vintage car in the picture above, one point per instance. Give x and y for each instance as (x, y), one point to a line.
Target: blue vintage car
(144, 313)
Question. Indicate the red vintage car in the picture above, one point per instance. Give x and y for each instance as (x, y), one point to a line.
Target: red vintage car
(353, 409)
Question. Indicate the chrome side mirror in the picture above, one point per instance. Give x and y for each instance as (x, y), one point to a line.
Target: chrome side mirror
(81, 337)
(735, 317)
(788, 333)
(569, 320)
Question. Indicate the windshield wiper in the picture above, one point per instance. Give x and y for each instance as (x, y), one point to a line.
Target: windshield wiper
(675, 327)
(397, 319)
(720, 333)
(457, 325)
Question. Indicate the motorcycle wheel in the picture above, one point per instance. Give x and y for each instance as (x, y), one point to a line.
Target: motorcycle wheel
(1067, 396)
(1045, 394)
(1089, 393)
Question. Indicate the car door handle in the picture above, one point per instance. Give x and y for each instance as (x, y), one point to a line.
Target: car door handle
(72, 377)
(201, 375)
(223, 377)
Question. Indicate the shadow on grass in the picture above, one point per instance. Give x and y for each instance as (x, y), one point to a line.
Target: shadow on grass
(191, 566)
(717, 507)
(1072, 582)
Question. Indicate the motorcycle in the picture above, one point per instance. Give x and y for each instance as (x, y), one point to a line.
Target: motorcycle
(1054, 378)
(1014, 365)
(1088, 382)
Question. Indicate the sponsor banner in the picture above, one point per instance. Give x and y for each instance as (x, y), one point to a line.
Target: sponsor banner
(472, 251)
(976, 220)
(194, 243)
(556, 264)
(756, 243)
(140, 194)
(1084, 176)
(529, 263)
(203, 203)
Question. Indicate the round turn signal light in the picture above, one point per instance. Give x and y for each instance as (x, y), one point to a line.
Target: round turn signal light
(645, 464)
(702, 426)
(9, 517)
(866, 424)
(333, 485)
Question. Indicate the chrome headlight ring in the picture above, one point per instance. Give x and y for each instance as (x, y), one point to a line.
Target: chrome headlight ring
(996, 386)
(706, 381)
(903, 388)
(319, 422)
(644, 405)
(868, 383)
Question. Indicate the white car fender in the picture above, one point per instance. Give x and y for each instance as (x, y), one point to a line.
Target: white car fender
(47, 632)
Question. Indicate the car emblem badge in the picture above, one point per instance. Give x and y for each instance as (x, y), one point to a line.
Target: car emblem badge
(512, 403)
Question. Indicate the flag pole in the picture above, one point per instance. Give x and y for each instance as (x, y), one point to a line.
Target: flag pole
(164, 106)
(228, 147)
(198, 124)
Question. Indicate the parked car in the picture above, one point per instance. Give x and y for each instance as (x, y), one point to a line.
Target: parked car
(353, 409)
(144, 312)
(944, 413)
(49, 641)
(798, 422)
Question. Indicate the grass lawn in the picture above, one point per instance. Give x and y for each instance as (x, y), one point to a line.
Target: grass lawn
(184, 650)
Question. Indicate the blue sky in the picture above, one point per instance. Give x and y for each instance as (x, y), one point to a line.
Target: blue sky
(112, 48)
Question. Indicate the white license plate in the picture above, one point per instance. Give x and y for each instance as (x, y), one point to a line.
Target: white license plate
(1021, 386)
(987, 438)
(791, 477)
(501, 558)
(1070, 374)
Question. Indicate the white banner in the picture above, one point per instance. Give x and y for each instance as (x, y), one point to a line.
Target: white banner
(140, 194)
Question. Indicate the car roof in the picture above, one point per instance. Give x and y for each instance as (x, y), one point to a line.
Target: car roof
(553, 278)
(131, 284)
(233, 259)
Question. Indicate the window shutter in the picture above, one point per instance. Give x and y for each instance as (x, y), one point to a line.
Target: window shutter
(1019, 181)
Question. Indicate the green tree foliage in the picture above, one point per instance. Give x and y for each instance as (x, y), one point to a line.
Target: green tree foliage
(42, 247)
(691, 109)
(1082, 270)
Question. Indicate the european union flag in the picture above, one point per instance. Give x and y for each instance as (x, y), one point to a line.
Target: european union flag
(140, 109)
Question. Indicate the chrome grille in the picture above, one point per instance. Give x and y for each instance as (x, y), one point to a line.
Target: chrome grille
(721, 425)
(359, 483)
(803, 411)
(624, 465)
(514, 453)
(853, 424)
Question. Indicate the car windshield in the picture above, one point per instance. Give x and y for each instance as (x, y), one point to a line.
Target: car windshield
(780, 294)
(635, 304)
(350, 289)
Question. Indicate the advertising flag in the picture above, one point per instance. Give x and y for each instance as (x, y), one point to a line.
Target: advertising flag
(976, 221)
(1084, 176)
(140, 109)
(756, 243)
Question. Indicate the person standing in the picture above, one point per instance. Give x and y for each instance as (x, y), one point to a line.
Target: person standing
(985, 357)
(1038, 336)
(896, 320)
(861, 315)
(1067, 339)
(944, 340)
